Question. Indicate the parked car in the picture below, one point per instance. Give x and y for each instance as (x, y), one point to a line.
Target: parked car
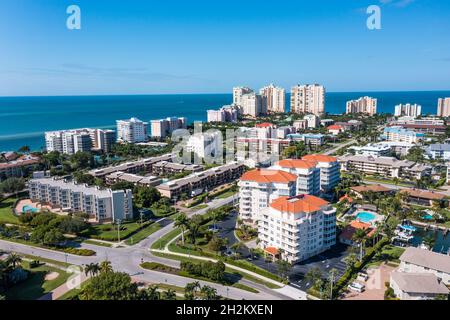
(356, 286)
(362, 276)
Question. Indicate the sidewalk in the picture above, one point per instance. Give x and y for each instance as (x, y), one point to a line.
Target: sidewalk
(62, 289)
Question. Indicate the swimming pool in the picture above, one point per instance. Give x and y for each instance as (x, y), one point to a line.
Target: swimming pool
(366, 217)
(27, 208)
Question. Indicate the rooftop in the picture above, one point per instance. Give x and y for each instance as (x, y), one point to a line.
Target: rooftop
(268, 176)
(298, 204)
(419, 283)
(424, 194)
(319, 158)
(296, 163)
(427, 259)
(373, 188)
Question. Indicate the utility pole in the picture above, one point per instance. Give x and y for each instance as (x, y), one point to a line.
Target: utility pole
(118, 230)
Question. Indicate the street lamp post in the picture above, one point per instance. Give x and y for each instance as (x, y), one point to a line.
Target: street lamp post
(118, 230)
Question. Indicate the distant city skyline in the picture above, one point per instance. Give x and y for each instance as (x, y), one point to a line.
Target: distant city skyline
(210, 47)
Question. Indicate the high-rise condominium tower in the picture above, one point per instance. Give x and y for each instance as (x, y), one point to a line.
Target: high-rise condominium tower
(308, 99)
(366, 105)
(238, 92)
(443, 109)
(274, 98)
(409, 110)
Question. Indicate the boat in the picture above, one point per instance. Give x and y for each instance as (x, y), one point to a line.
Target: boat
(405, 232)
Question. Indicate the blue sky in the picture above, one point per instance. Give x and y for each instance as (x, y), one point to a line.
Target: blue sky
(199, 46)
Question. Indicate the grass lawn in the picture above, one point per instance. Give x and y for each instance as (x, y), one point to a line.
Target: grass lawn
(226, 195)
(6, 213)
(108, 231)
(40, 259)
(200, 206)
(142, 234)
(73, 294)
(161, 243)
(390, 254)
(161, 213)
(36, 286)
(98, 243)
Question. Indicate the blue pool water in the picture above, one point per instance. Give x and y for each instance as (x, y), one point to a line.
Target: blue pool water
(365, 217)
(27, 208)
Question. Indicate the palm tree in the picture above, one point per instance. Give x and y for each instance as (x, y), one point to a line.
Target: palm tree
(313, 275)
(169, 295)
(236, 247)
(92, 268)
(153, 293)
(182, 222)
(13, 259)
(208, 293)
(429, 242)
(350, 261)
(359, 237)
(106, 267)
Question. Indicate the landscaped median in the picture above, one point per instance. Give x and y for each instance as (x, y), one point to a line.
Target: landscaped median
(201, 270)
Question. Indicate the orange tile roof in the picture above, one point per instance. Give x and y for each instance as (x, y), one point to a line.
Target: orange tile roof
(346, 197)
(267, 176)
(297, 204)
(350, 230)
(335, 127)
(297, 163)
(372, 187)
(357, 224)
(271, 250)
(319, 158)
(264, 125)
(423, 194)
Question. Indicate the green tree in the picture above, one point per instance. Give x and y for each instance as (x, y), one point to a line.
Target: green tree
(169, 295)
(153, 293)
(12, 185)
(145, 197)
(14, 259)
(208, 293)
(24, 149)
(110, 286)
(182, 222)
(106, 267)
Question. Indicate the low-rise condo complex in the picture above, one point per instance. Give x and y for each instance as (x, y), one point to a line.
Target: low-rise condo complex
(398, 134)
(100, 204)
(18, 167)
(409, 110)
(439, 151)
(79, 140)
(297, 228)
(384, 167)
(364, 105)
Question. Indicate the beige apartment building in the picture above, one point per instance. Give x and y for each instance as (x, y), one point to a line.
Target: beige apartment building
(274, 99)
(365, 105)
(308, 99)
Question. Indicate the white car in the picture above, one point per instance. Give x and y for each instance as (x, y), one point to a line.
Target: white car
(362, 276)
(356, 286)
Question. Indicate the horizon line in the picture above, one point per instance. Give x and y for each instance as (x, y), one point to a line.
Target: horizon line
(199, 93)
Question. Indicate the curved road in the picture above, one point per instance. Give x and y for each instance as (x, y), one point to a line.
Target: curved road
(128, 259)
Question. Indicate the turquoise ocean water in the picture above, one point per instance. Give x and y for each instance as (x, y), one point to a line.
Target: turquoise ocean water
(23, 120)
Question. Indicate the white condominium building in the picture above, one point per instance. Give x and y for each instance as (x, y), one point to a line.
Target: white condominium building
(238, 92)
(79, 140)
(252, 105)
(259, 187)
(409, 110)
(131, 131)
(297, 228)
(398, 134)
(443, 109)
(163, 127)
(274, 98)
(308, 175)
(308, 99)
(312, 121)
(366, 105)
(208, 144)
(224, 114)
(100, 204)
(330, 174)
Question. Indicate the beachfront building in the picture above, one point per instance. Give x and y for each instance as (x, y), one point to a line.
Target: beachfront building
(163, 127)
(307, 172)
(329, 166)
(398, 134)
(18, 167)
(259, 187)
(79, 140)
(415, 260)
(100, 204)
(224, 114)
(409, 110)
(274, 99)
(443, 109)
(364, 105)
(384, 167)
(238, 92)
(200, 182)
(297, 228)
(417, 286)
(252, 105)
(308, 99)
(131, 131)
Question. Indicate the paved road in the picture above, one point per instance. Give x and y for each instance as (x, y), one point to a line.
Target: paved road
(128, 259)
(339, 146)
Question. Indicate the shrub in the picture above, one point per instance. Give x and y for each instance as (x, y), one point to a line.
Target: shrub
(79, 252)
